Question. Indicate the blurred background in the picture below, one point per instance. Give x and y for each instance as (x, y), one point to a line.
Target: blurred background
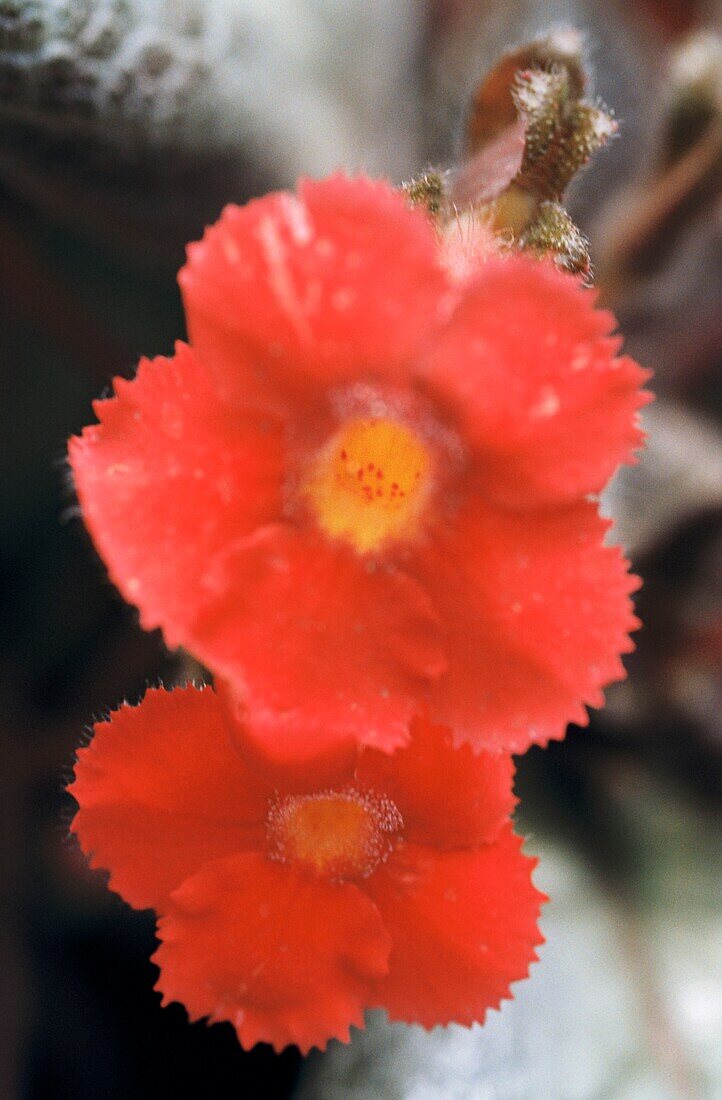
(124, 127)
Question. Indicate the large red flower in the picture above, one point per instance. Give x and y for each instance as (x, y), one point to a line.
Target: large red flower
(366, 486)
(289, 910)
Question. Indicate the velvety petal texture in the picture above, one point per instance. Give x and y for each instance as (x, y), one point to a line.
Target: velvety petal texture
(532, 374)
(448, 797)
(537, 611)
(463, 925)
(258, 924)
(339, 279)
(167, 480)
(324, 649)
(284, 957)
(160, 791)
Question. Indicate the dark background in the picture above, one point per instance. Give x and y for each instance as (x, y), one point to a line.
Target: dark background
(123, 129)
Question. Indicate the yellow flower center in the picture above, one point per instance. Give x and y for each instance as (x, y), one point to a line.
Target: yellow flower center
(370, 483)
(335, 834)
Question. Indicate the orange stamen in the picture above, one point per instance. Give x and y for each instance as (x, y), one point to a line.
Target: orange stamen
(335, 834)
(370, 483)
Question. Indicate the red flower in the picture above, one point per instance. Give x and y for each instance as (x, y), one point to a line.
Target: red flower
(290, 911)
(365, 486)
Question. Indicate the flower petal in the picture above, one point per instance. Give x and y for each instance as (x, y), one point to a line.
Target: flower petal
(448, 797)
(284, 759)
(537, 612)
(341, 278)
(285, 957)
(529, 368)
(161, 791)
(463, 925)
(320, 647)
(166, 480)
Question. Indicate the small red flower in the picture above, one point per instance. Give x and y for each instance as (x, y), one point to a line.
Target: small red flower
(365, 485)
(290, 910)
